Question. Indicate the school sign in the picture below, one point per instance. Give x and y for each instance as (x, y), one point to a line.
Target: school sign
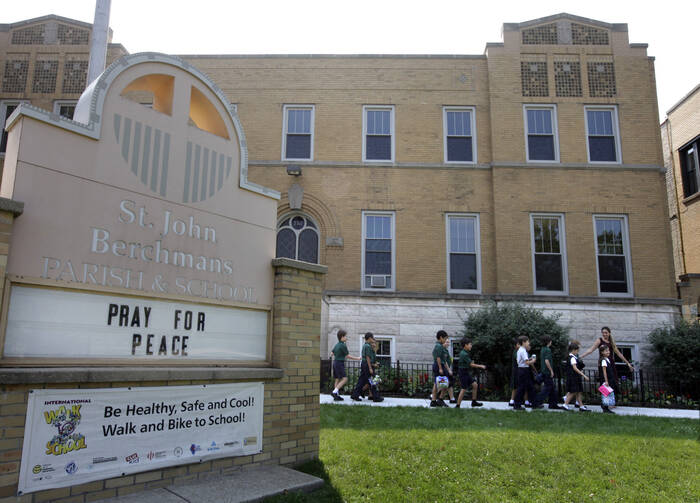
(143, 254)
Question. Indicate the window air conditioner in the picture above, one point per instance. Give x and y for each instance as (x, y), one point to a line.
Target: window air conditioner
(377, 281)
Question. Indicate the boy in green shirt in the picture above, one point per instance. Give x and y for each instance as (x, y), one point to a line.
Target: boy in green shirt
(340, 353)
(547, 369)
(465, 378)
(369, 358)
(440, 368)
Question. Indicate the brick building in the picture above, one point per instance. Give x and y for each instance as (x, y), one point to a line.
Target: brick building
(680, 136)
(431, 184)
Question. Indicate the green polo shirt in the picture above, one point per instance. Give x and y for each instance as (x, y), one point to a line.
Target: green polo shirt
(465, 360)
(446, 356)
(438, 352)
(368, 351)
(546, 354)
(340, 351)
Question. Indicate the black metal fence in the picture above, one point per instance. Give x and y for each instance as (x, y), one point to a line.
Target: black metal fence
(641, 388)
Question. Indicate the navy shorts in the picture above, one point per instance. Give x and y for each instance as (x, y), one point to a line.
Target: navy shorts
(339, 369)
(465, 379)
(436, 371)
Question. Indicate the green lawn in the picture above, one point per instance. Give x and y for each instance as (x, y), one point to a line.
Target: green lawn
(425, 455)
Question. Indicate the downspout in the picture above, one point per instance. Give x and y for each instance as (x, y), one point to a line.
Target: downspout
(98, 42)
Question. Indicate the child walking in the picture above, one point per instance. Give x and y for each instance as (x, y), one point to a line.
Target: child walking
(605, 373)
(439, 368)
(465, 378)
(549, 390)
(366, 370)
(340, 353)
(525, 375)
(451, 371)
(574, 376)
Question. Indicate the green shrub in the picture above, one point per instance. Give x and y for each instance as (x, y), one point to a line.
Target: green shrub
(677, 354)
(493, 328)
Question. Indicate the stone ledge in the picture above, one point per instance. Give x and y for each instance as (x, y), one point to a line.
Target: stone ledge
(298, 264)
(129, 374)
(14, 207)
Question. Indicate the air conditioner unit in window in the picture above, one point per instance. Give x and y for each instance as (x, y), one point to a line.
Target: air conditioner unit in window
(377, 281)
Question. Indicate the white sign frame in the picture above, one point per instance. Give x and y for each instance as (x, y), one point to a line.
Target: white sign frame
(97, 442)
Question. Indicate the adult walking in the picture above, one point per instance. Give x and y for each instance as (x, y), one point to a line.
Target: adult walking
(606, 341)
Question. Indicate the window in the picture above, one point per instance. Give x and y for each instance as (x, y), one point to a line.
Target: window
(378, 251)
(549, 254)
(463, 254)
(459, 128)
(690, 170)
(384, 351)
(64, 108)
(6, 109)
(603, 137)
(297, 238)
(378, 132)
(541, 132)
(629, 351)
(612, 253)
(298, 138)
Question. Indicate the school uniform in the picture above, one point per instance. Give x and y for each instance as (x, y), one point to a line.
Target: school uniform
(605, 362)
(364, 370)
(524, 380)
(549, 389)
(448, 359)
(340, 351)
(465, 363)
(574, 382)
(438, 352)
(514, 371)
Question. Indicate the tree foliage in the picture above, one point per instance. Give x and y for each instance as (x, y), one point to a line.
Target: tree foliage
(493, 328)
(677, 353)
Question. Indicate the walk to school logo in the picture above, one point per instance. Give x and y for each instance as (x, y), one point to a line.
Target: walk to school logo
(66, 420)
(71, 468)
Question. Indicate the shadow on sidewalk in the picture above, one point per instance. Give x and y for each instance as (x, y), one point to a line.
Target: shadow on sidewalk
(327, 493)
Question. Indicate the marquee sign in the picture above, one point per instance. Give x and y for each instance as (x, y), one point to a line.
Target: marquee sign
(143, 201)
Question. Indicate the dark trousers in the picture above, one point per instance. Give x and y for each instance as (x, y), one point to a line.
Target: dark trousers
(549, 391)
(525, 384)
(364, 379)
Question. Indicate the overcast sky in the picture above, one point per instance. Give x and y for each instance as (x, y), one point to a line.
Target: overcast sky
(378, 27)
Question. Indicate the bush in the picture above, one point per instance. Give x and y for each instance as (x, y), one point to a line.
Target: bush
(677, 354)
(493, 328)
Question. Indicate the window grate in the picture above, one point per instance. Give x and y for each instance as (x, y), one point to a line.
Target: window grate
(15, 77)
(539, 35)
(601, 79)
(32, 35)
(567, 78)
(534, 78)
(45, 73)
(587, 35)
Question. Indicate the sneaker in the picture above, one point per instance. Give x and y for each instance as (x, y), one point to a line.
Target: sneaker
(433, 403)
(583, 408)
(518, 407)
(566, 407)
(378, 399)
(476, 404)
(458, 406)
(578, 406)
(607, 411)
(355, 398)
(452, 400)
(527, 404)
(336, 397)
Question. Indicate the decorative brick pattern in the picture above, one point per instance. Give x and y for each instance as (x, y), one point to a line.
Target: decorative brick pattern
(15, 78)
(70, 35)
(534, 78)
(587, 35)
(601, 78)
(567, 78)
(32, 35)
(45, 73)
(545, 34)
(74, 76)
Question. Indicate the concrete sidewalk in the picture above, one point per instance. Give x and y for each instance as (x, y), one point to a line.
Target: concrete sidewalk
(246, 485)
(425, 402)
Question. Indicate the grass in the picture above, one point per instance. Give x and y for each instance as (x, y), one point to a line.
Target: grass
(403, 454)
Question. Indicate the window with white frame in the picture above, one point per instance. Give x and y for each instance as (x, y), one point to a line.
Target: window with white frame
(463, 254)
(384, 351)
(460, 133)
(690, 167)
(549, 253)
(6, 109)
(602, 134)
(298, 138)
(612, 254)
(298, 238)
(65, 108)
(541, 132)
(378, 264)
(629, 351)
(378, 133)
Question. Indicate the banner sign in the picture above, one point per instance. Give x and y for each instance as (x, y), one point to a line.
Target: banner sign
(71, 324)
(77, 436)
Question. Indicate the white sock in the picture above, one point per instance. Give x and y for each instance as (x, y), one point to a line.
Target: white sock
(527, 402)
(335, 390)
(511, 402)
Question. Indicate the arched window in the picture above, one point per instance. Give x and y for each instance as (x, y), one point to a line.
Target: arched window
(297, 238)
